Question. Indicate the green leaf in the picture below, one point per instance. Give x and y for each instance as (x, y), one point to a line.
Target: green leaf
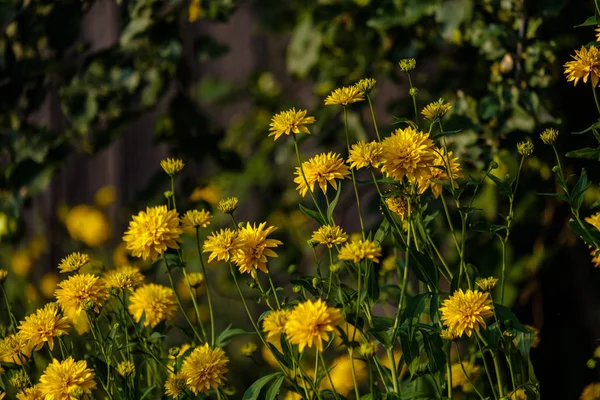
(275, 387)
(334, 202)
(434, 348)
(504, 187)
(579, 190)
(313, 214)
(415, 307)
(382, 232)
(447, 133)
(372, 283)
(426, 271)
(410, 351)
(586, 153)
(595, 204)
(229, 333)
(590, 234)
(253, 391)
(147, 392)
(591, 21)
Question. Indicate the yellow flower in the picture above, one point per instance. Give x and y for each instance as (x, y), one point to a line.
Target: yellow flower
(586, 62)
(290, 121)
(274, 324)
(21, 262)
(594, 220)
(597, 34)
(365, 85)
(549, 136)
(447, 335)
(19, 380)
(172, 165)
(365, 154)
(13, 349)
(518, 394)
(61, 378)
(407, 64)
(125, 277)
(88, 225)
(292, 396)
(205, 368)
(309, 322)
(407, 152)
(525, 148)
(209, 194)
(155, 302)
(253, 247)
(341, 375)
(196, 279)
(175, 385)
(48, 283)
(329, 235)
(73, 262)
(464, 312)
(228, 205)
(248, 349)
(3, 275)
(359, 250)
(32, 393)
(196, 219)
(344, 96)
(105, 196)
(125, 368)
(459, 379)
(487, 284)
(591, 392)
(367, 350)
(43, 326)
(439, 172)
(79, 289)
(150, 233)
(399, 205)
(120, 255)
(436, 110)
(220, 244)
(195, 11)
(322, 168)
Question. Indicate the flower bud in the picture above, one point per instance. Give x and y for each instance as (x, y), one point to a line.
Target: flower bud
(291, 269)
(549, 136)
(315, 282)
(297, 288)
(174, 351)
(248, 349)
(88, 305)
(168, 194)
(525, 148)
(334, 268)
(413, 91)
(591, 363)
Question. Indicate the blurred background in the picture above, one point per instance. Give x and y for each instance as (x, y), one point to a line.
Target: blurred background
(93, 94)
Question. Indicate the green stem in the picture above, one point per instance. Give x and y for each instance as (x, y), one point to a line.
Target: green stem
(320, 356)
(351, 353)
(465, 372)
(362, 225)
(208, 295)
(404, 282)
(393, 369)
(10, 313)
(596, 98)
(487, 369)
(274, 291)
(414, 99)
(373, 116)
(308, 188)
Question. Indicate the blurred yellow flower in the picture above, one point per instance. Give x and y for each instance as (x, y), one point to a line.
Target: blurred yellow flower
(464, 312)
(125, 368)
(399, 205)
(290, 121)
(459, 379)
(43, 326)
(154, 302)
(88, 225)
(220, 244)
(151, 232)
(248, 349)
(172, 165)
(341, 375)
(73, 292)
(210, 194)
(32, 393)
(585, 62)
(13, 349)
(21, 262)
(309, 323)
(436, 110)
(120, 253)
(409, 153)
(365, 154)
(591, 392)
(487, 284)
(228, 205)
(321, 169)
(549, 136)
(407, 64)
(359, 250)
(253, 247)
(73, 262)
(196, 219)
(105, 196)
(3, 275)
(365, 85)
(439, 172)
(37, 246)
(344, 96)
(195, 11)
(205, 368)
(330, 235)
(175, 385)
(61, 378)
(274, 324)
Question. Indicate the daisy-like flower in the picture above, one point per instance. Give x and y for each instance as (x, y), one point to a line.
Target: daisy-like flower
(309, 323)
(525, 148)
(321, 169)
(32, 393)
(436, 110)
(151, 232)
(586, 63)
(329, 235)
(591, 392)
(594, 220)
(487, 284)
(196, 219)
(228, 205)
(43, 326)
(79, 289)
(175, 385)
(125, 277)
(253, 247)
(365, 85)
(358, 250)
(274, 324)
(409, 153)
(407, 64)
(220, 245)
(172, 165)
(459, 379)
(438, 172)
(464, 312)
(398, 205)
(62, 378)
(13, 349)
(125, 368)
(205, 368)
(365, 154)
(156, 302)
(290, 121)
(344, 96)
(196, 279)
(73, 262)
(549, 136)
